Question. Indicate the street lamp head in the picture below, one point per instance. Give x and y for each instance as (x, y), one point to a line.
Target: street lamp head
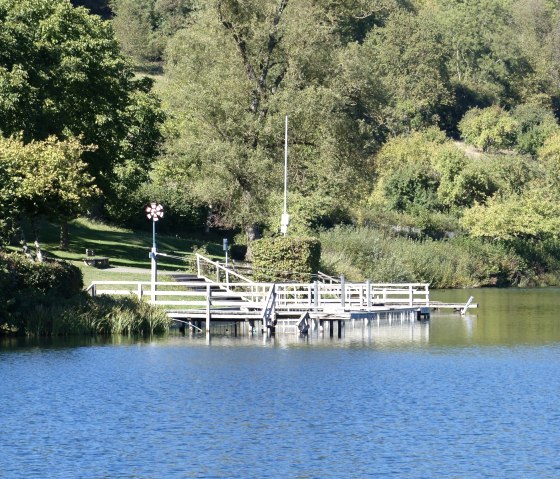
(154, 212)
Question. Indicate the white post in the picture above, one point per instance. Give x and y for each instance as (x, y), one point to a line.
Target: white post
(342, 292)
(154, 274)
(285, 217)
(368, 295)
(410, 292)
(208, 303)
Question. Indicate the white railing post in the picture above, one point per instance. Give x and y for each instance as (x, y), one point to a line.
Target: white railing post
(342, 292)
(316, 295)
(208, 304)
(410, 291)
(368, 295)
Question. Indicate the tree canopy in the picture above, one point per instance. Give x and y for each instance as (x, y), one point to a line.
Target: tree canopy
(62, 74)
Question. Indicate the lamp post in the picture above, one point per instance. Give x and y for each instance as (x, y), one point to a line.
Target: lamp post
(154, 213)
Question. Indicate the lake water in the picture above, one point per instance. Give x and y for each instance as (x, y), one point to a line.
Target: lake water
(458, 397)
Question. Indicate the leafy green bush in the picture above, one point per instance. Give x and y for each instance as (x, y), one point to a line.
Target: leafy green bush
(489, 128)
(60, 278)
(286, 258)
(536, 124)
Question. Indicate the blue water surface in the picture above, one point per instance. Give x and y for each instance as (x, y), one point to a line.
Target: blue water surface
(390, 402)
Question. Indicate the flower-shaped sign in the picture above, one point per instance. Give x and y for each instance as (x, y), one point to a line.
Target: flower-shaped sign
(155, 212)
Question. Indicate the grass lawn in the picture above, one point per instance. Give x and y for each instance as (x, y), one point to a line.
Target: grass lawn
(123, 247)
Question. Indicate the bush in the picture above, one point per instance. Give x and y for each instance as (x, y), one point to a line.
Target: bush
(60, 278)
(489, 129)
(286, 259)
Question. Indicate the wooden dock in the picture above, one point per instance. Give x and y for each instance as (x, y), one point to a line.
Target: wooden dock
(197, 301)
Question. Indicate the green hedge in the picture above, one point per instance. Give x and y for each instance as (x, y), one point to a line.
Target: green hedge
(61, 278)
(286, 259)
(25, 285)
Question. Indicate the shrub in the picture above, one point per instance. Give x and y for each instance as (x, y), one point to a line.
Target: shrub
(286, 258)
(536, 124)
(489, 128)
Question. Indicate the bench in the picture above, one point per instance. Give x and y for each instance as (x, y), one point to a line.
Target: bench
(95, 261)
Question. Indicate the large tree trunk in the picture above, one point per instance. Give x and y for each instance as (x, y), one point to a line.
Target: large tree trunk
(64, 235)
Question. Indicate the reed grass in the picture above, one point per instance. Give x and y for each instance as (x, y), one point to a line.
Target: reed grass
(366, 253)
(83, 315)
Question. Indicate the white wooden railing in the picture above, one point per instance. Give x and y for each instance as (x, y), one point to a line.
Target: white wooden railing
(289, 296)
(217, 272)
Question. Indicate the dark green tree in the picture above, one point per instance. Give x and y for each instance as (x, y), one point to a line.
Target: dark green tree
(61, 74)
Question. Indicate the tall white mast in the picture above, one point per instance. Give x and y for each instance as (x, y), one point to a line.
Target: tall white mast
(285, 216)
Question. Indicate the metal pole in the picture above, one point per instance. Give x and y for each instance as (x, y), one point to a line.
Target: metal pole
(208, 303)
(285, 217)
(154, 263)
(286, 169)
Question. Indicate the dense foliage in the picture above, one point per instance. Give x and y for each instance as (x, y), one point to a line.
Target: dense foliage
(286, 259)
(367, 253)
(62, 75)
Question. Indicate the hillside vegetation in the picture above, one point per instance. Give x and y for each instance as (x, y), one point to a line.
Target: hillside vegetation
(427, 128)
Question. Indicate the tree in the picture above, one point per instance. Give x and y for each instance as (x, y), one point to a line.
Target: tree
(409, 55)
(61, 74)
(427, 171)
(234, 74)
(44, 178)
(143, 27)
(534, 214)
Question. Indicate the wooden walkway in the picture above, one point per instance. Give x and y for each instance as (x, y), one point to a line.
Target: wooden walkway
(194, 299)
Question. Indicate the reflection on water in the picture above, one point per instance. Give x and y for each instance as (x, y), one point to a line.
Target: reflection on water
(472, 396)
(504, 317)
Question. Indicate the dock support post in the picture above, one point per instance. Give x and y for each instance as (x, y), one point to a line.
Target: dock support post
(339, 329)
(208, 303)
(331, 328)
